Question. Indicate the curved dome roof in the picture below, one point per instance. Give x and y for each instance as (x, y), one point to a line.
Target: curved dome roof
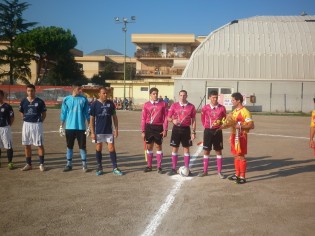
(104, 52)
(262, 48)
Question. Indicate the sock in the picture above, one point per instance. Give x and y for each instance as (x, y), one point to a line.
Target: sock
(149, 158)
(243, 165)
(219, 163)
(205, 163)
(113, 158)
(98, 156)
(237, 166)
(41, 159)
(83, 154)
(29, 160)
(174, 160)
(186, 159)
(159, 156)
(69, 156)
(9, 155)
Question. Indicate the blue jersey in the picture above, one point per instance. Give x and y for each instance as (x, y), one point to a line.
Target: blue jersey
(103, 113)
(6, 113)
(32, 111)
(74, 111)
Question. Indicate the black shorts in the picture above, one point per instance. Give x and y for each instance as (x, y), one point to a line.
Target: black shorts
(72, 134)
(212, 138)
(153, 134)
(181, 135)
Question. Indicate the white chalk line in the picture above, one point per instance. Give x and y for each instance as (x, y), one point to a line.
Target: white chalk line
(156, 220)
(130, 130)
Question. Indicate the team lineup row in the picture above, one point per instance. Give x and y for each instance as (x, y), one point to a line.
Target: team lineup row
(102, 125)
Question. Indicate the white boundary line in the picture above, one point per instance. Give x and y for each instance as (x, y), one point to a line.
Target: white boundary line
(156, 220)
(130, 130)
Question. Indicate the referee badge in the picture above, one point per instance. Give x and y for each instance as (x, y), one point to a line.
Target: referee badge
(36, 104)
(2, 109)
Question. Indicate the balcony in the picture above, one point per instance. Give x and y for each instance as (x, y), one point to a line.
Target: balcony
(159, 73)
(170, 55)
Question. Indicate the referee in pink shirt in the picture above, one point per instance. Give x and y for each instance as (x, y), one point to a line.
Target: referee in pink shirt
(183, 115)
(154, 128)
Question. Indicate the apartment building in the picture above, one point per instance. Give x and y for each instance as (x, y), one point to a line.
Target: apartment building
(95, 62)
(163, 55)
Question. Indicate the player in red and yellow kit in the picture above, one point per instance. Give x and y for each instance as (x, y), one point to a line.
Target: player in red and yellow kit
(312, 131)
(243, 122)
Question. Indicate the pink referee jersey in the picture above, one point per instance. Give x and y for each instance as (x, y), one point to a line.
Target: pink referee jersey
(154, 113)
(183, 113)
(211, 116)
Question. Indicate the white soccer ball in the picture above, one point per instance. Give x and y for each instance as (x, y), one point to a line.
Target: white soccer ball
(183, 171)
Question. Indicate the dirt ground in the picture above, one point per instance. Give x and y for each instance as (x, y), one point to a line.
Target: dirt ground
(278, 198)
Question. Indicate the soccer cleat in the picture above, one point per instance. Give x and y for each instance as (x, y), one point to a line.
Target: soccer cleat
(240, 181)
(233, 177)
(67, 168)
(172, 172)
(26, 167)
(42, 167)
(10, 166)
(84, 168)
(99, 172)
(117, 171)
(221, 176)
(148, 169)
(159, 170)
(202, 174)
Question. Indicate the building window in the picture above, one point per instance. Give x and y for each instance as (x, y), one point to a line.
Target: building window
(220, 90)
(144, 89)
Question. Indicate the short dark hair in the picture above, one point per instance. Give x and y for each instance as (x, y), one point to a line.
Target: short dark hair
(32, 86)
(183, 91)
(238, 96)
(1, 93)
(106, 89)
(153, 90)
(213, 93)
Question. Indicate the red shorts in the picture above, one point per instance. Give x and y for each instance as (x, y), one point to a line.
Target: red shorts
(242, 142)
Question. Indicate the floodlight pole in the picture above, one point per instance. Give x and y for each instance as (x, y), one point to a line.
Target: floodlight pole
(124, 29)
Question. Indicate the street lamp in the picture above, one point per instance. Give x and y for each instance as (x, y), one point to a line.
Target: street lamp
(125, 21)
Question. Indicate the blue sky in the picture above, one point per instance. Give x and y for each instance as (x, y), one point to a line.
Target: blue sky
(92, 21)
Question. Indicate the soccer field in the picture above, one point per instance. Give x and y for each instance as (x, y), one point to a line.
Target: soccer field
(278, 198)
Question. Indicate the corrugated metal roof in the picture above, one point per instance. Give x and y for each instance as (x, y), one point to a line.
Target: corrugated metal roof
(262, 47)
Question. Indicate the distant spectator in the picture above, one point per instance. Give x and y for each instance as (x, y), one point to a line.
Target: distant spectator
(166, 100)
(115, 102)
(119, 104)
(160, 98)
(126, 103)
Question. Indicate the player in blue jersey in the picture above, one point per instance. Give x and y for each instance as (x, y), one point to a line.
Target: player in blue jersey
(102, 117)
(6, 120)
(33, 110)
(74, 114)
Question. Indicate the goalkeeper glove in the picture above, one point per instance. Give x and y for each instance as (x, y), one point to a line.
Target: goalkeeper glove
(88, 131)
(62, 131)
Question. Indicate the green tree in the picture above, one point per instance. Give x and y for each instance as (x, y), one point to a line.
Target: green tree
(49, 46)
(65, 72)
(11, 25)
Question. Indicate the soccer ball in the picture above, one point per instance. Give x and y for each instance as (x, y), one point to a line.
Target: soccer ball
(183, 171)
